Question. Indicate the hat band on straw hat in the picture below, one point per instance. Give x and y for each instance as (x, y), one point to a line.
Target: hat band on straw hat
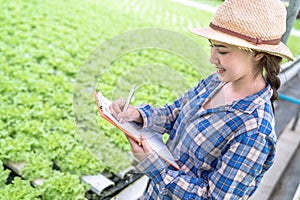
(244, 37)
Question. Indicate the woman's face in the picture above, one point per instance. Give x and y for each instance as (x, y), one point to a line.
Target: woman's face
(232, 64)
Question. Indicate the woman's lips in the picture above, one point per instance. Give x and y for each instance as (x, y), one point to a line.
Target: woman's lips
(220, 70)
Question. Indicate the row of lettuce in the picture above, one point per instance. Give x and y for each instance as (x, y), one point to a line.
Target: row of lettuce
(43, 45)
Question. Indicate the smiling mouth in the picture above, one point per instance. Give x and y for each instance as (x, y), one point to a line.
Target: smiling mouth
(220, 70)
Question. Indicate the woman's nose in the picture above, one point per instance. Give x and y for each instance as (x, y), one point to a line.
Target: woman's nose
(213, 56)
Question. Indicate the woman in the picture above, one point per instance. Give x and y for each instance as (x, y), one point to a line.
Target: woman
(222, 130)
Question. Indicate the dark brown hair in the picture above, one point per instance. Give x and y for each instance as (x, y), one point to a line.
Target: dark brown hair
(271, 66)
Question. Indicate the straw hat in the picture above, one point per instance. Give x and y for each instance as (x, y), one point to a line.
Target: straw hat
(254, 24)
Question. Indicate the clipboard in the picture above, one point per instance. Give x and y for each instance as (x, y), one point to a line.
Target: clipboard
(133, 131)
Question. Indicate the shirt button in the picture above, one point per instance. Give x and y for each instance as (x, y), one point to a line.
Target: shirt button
(162, 192)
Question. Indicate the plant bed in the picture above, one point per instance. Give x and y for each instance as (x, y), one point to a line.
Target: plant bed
(92, 192)
(120, 184)
(11, 175)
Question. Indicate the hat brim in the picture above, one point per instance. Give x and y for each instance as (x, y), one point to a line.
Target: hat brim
(278, 50)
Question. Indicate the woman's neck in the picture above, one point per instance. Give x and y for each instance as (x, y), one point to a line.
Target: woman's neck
(234, 91)
(241, 89)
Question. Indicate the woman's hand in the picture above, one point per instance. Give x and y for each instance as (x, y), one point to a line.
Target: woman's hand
(140, 151)
(131, 114)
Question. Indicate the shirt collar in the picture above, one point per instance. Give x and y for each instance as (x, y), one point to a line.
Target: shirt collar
(250, 103)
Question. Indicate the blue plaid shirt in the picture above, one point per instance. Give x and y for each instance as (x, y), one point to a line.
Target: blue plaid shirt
(222, 152)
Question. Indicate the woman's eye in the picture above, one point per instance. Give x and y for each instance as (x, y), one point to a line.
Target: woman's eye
(218, 50)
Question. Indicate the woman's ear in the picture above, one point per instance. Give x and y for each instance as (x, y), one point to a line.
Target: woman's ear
(257, 56)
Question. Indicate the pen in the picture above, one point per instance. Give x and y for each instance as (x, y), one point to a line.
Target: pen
(128, 100)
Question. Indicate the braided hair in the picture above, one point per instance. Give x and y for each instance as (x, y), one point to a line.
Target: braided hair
(271, 66)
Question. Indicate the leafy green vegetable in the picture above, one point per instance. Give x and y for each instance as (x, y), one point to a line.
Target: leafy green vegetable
(19, 189)
(38, 166)
(63, 186)
(4, 173)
